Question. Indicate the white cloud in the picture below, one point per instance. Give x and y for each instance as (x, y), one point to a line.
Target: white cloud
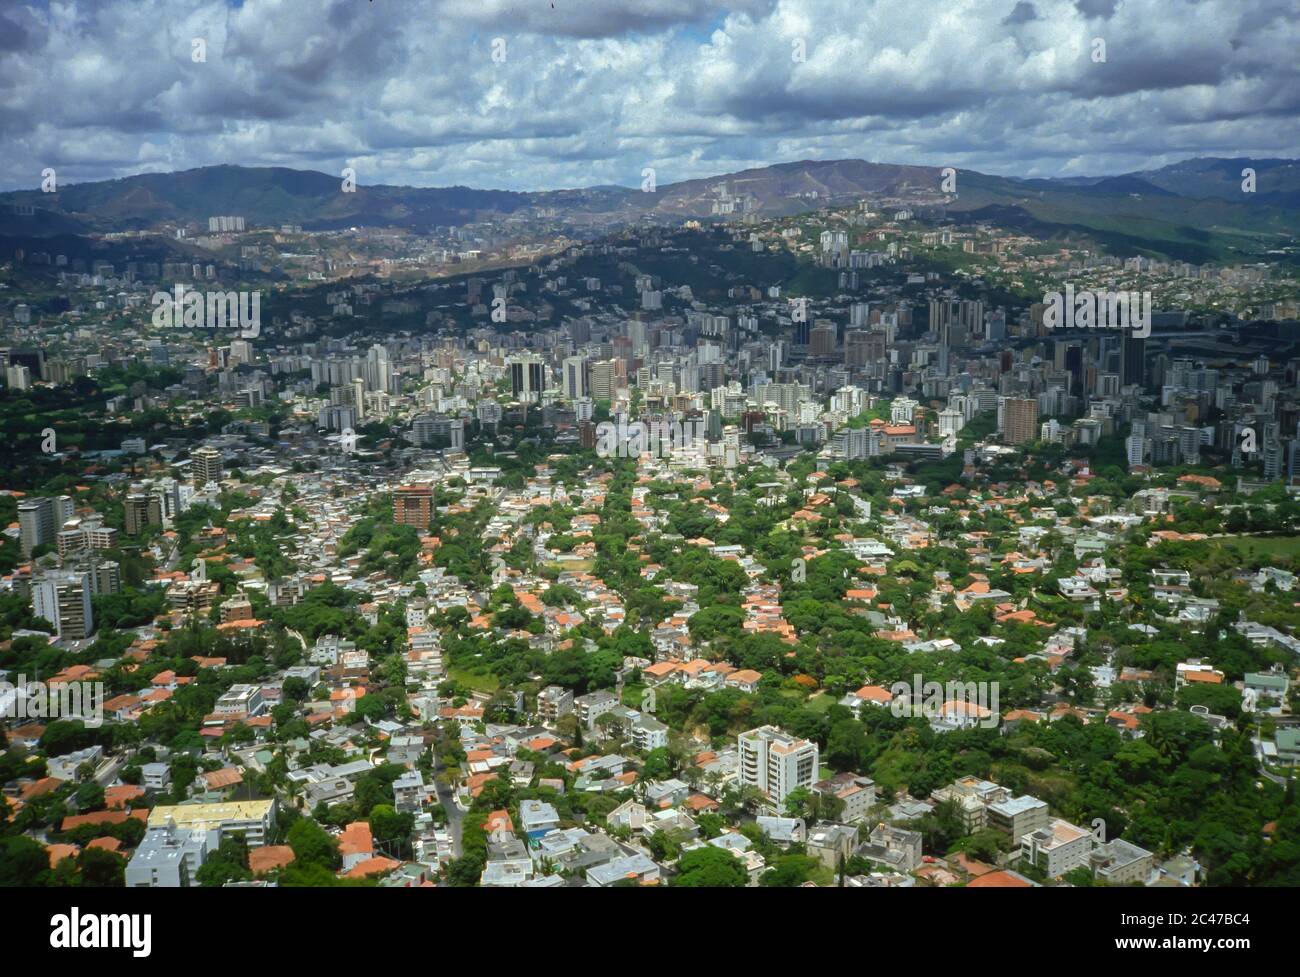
(591, 92)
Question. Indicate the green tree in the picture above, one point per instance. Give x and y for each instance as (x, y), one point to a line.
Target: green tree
(710, 867)
(389, 827)
(23, 862)
(101, 869)
(313, 845)
(790, 870)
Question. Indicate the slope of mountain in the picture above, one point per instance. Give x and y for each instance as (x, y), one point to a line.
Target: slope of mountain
(790, 187)
(1276, 180)
(1132, 214)
(1194, 209)
(274, 194)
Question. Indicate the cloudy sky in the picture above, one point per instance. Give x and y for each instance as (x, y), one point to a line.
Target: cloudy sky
(592, 91)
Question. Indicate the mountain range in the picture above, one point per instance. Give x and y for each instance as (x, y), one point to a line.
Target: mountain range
(1195, 209)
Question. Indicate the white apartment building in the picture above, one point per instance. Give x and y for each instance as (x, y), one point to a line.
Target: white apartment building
(250, 820)
(1057, 848)
(240, 700)
(857, 793)
(1122, 863)
(1018, 816)
(63, 599)
(776, 762)
(648, 733)
(553, 702)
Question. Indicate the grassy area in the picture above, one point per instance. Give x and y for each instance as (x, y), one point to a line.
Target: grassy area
(821, 702)
(824, 875)
(582, 565)
(1262, 549)
(474, 680)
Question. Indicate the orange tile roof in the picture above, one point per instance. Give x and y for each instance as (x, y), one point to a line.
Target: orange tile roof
(103, 817)
(998, 880)
(59, 852)
(122, 795)
(225, 777)
(356, 839)
(269, 857)
(874, 693)
(38, 787)
(373, 866)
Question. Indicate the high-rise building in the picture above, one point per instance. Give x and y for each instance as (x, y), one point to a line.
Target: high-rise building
(205, 466)
(971, 316)
(606, 377)
(63, 599)
(951, 422)
(575, 377)
(942, 315)
(105, 576)
(225, 224)
(1273, 455)
(378, 371)
(85, 536)
(413, 505)
(432, 431)
(168, 493)
(776, 762)
(821, 340)
(40, 519)
(18, 377)
(857, 348)
(527, 377)
(802, 331)
(142, 510)
(1135, 449)
(1133, 361)
(1019, 420)
(358, 387)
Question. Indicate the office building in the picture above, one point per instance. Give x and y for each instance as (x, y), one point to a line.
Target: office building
(527, 377)
(575, 378)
